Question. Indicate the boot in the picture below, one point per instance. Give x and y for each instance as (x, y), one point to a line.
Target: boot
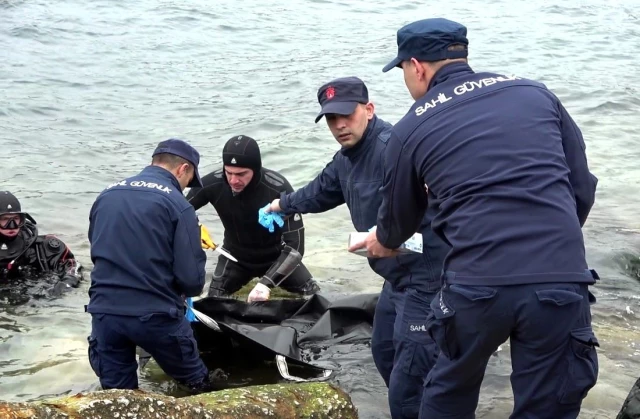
(214, 381)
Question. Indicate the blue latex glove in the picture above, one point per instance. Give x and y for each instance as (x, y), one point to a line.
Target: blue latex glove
(266, 220)
(189, 314)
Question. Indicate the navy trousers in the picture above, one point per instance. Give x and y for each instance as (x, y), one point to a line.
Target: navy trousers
(168, 339)
(553, 355)
(402, 350)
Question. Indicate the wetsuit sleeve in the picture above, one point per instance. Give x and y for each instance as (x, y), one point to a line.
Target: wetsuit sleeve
(199, 197)
(189, 259)
(320, 195)
(582, 181)
(59, 259)
(404, 199)
(293, 229)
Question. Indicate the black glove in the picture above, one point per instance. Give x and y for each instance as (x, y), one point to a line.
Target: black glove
(66, 284)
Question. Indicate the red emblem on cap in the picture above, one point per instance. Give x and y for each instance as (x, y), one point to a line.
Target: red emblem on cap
(331, 92)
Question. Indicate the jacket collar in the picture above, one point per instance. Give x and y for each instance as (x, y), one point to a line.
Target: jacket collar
(163, 173)
(455, 69)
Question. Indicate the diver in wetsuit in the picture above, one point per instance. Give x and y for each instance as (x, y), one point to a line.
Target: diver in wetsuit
(23, 252)
(237, 192)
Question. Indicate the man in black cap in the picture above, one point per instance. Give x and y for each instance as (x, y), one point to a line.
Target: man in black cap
(237, 192)
(147, 255)
(23, 252)
(507, 171)
(402, 352)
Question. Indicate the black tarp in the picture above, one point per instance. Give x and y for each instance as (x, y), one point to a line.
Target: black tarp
(295, 328)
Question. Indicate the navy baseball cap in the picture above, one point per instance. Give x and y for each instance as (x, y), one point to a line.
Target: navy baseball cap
(428, 40)
(341, 96)
(181, 149)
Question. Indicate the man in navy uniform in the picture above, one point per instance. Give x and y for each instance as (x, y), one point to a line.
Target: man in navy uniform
(147, 256)
(506, 168)
(402, 352)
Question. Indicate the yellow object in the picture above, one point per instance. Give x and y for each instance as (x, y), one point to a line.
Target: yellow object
(205, 238)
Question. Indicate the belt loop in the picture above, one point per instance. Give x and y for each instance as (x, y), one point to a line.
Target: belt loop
(174, 313)
(447, 277)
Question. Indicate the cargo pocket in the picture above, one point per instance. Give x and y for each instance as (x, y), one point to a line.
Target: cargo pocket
(441, 326)
(186, 342)
(94, 357)
(582, 364)
(416, 349)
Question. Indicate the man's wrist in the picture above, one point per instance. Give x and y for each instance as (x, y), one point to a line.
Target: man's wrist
(267, 282)
(283, 203)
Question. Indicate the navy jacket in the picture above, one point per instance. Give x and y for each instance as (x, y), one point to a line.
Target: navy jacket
(507, 168)
(145, 247)
(354, 177)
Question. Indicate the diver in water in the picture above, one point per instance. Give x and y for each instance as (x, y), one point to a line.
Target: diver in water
(24, 253)
(237, 191)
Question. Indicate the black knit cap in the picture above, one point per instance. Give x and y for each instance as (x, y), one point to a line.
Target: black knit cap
(242, 151)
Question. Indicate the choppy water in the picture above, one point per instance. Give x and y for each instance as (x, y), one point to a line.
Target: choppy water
(87, 88)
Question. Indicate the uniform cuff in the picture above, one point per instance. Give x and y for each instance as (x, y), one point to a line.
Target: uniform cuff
(284, 202)
(384, 238)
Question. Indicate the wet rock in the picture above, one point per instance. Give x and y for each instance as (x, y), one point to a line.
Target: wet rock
(309, 400)
(630, 264)
(631, 406)
(304, 400)
(30, 411)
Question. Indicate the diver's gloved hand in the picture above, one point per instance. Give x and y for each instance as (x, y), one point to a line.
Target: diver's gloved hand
(66, 284)
(267, 219)
(259, 293)
(205, 238)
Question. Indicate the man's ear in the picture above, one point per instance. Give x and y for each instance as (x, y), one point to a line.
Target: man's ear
(418, 69)
(371, 108)
(184, 169)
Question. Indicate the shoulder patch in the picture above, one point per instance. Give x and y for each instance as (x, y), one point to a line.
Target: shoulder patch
(218, 173)
(274, 178)
(384, 136)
